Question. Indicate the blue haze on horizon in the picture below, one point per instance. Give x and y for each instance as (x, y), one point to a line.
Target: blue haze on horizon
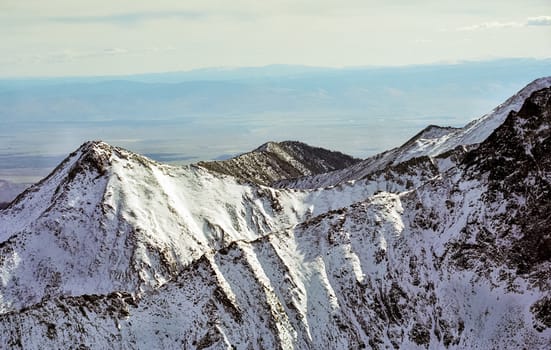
(184, 117)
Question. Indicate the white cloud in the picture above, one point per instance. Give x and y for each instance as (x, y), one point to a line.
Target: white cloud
(422, 41)
(71, 55)
(539, 21)
(67, 37)
(531, 21)
(130, 17)
(491, 25)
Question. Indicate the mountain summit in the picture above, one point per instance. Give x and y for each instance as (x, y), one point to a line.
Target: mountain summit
(274, 161)
(436, 250)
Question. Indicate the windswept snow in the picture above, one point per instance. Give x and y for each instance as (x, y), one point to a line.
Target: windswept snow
(114, 250)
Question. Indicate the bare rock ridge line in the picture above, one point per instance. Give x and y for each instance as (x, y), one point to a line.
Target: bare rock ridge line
(440, 243)
(275, 161)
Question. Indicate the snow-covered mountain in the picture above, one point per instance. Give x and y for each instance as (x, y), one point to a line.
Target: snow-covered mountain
(274, 161)
(113, 250)
(433, 141)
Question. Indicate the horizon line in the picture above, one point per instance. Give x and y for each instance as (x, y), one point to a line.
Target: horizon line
(214, 69)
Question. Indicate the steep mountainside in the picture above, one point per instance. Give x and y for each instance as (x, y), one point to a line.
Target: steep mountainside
(113, 250)
(275, 161)
(108, 212)
(519, 179)
(432, 141)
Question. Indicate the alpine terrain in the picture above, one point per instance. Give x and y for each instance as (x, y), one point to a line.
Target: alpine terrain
(443, 242)
(275, 161)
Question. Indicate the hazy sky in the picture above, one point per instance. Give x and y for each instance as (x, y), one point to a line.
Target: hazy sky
(67, 37)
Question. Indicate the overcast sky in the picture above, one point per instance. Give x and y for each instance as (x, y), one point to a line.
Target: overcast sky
(67, 37)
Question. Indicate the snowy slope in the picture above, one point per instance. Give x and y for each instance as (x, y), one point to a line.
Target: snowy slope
(135, 222)
(432, 141)
(114, 250)
(368, 274)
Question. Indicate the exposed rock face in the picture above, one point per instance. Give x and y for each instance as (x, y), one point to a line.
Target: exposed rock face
(113, 250)
(276, 161)
(520, 167)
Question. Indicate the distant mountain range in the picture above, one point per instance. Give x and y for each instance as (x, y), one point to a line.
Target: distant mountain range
(440, 243)
(204, 114)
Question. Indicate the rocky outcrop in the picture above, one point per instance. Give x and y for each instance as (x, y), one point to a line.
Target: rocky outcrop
(276, 161)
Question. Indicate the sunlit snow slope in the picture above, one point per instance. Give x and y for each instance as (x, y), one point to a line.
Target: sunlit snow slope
(114, 250)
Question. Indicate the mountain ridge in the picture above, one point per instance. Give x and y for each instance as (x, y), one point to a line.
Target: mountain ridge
(467, 137)
(274, 161)
(431, 252)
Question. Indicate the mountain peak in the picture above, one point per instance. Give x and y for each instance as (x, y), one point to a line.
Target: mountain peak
(266, 147)
(93, 144)
(273, 146)
(115, 251)
(538, 84)
(94, 155)
(274, 161)
(96, 146)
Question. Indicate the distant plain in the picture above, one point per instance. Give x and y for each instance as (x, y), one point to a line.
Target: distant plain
(185, 117)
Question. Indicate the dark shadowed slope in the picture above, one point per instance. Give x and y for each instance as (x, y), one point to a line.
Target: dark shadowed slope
(274, 161)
